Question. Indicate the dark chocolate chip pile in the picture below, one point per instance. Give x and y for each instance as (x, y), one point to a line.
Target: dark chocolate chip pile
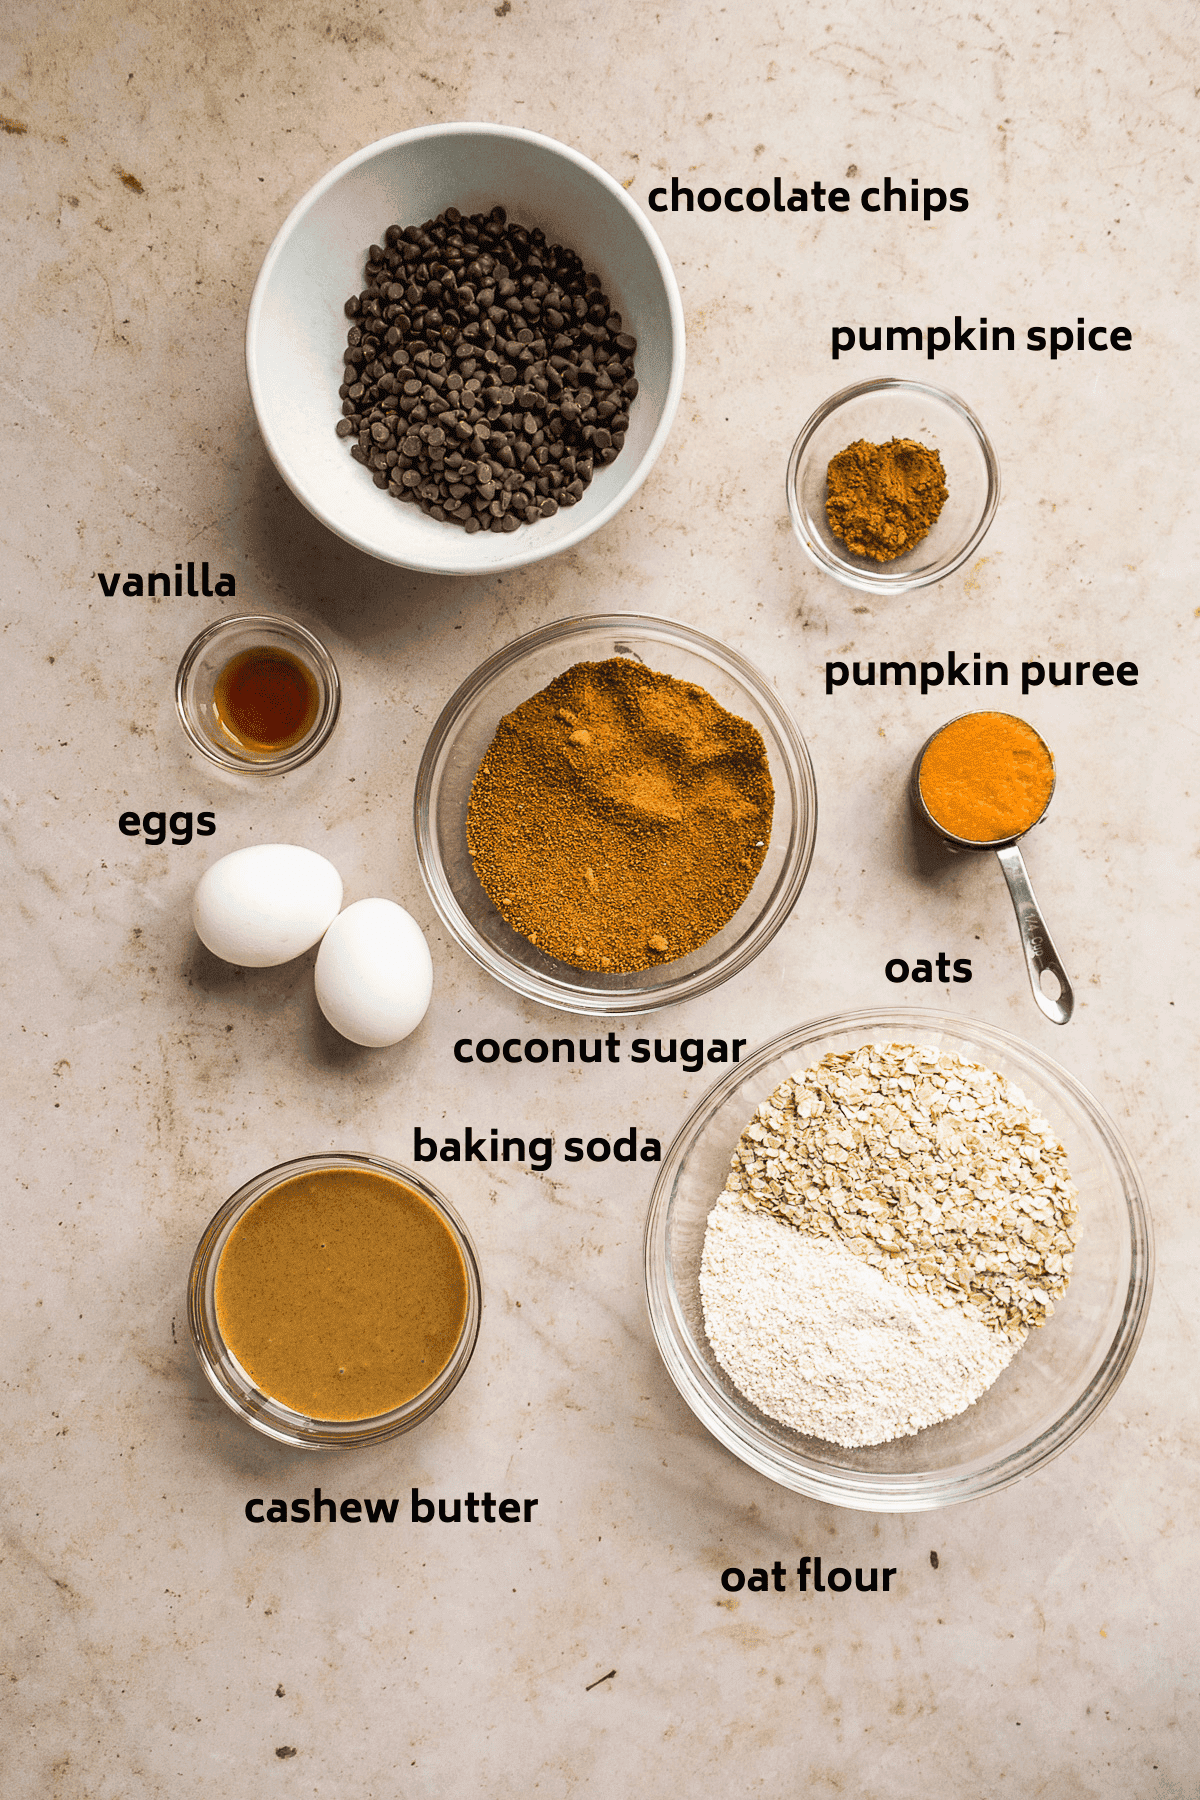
(486, 372)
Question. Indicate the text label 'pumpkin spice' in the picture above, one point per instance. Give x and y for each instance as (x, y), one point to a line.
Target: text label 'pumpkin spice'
(620, 816)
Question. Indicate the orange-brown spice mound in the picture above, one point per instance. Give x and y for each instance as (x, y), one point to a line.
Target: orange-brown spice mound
(620, 816)
(884, 498)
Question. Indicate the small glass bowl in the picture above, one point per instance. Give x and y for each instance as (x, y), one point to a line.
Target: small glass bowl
(456, 748)
(1059, 1381)
(230, 1379)
(208, 654)
(879, 411)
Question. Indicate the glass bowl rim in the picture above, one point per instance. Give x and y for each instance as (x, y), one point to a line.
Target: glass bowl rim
(276, 1420)
(299, 753)
(856, 1489)
(864, 579)
(575, 997)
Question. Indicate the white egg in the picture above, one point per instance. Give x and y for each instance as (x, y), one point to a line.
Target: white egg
(265, 904)
(374, 973)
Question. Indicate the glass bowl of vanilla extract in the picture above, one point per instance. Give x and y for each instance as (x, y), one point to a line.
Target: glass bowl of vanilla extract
(257, 693)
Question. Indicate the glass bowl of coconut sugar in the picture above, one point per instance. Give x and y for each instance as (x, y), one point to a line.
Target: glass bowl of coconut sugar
(519, 679)
(937, 1381)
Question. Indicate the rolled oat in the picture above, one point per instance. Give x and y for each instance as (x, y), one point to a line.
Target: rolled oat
(934, 1170)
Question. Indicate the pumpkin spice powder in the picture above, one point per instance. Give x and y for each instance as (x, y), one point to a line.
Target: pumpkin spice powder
(884, 498)
(620, 816)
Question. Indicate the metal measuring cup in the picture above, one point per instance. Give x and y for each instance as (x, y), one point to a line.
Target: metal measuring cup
(1038, 945)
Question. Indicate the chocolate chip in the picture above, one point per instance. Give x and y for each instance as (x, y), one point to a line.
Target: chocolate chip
(464, 364)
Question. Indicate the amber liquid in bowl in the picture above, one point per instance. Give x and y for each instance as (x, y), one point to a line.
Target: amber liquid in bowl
(266, 699)
(342, 1293)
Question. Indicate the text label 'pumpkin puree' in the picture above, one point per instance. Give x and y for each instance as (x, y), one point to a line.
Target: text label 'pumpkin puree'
(342, 1293)
(620, 816)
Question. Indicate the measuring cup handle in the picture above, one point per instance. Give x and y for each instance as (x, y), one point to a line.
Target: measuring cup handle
(1036, 941)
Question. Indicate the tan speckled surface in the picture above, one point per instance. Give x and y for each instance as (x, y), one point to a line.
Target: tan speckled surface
(156, 1646)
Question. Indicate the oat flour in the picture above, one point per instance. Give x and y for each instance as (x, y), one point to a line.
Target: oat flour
(818, 1339)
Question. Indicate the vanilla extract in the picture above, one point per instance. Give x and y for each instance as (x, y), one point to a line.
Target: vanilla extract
(266, 699)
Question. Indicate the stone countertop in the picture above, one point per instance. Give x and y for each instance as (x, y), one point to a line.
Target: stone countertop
(155, 1642)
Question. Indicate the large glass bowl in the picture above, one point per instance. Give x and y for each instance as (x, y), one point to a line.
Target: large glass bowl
(1058, 1382)
(879, 411)
(456, 748)
(233, 1384)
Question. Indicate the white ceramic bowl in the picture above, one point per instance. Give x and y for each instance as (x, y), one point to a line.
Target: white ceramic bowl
(296, 331)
